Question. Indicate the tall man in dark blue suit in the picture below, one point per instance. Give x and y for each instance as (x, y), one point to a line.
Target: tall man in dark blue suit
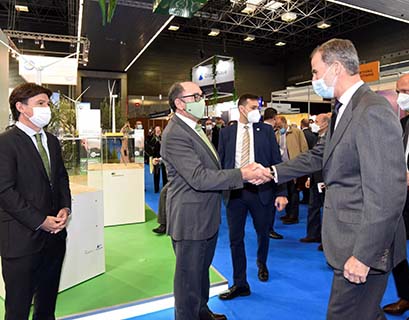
(246, 142)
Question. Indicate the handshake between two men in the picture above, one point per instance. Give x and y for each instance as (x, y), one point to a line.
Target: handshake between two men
(256, 174)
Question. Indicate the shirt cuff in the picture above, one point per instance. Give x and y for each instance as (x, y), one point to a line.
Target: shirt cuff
(273, 171)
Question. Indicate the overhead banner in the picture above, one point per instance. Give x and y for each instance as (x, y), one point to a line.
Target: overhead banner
(50, 70)
(369, 72)
(203, 77)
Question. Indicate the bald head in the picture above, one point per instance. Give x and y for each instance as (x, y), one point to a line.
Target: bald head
(402, 86)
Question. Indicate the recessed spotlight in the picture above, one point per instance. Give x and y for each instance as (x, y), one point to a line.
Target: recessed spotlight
(214, 32)
(249, 37)
(289, 16)
(323, 25)
(280, 43)
(173, 27)
(21, 8)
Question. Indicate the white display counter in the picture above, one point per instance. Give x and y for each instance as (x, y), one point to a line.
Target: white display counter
(123, 187)
(85, 255)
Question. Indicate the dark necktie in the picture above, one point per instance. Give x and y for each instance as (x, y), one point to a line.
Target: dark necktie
(43, 154)
(335, 115)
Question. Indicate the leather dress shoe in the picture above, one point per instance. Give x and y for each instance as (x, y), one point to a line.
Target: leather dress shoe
(262, 272)
(212, 316)
(290, 221)
(320, 247)
(161, 229)
(397, 308)
(235, 292)
(275, 235)
(310, 240)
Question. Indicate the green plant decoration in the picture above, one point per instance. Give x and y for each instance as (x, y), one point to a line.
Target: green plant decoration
(107, 10)
(213, 100)
(62, 118)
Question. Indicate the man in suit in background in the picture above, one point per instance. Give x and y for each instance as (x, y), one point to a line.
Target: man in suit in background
(212, 132)
(315, 184)
(269, 117)
(292, 142)
(246, 142)
(363, 233)
(193, 201)
(35, 202)
(401, 271)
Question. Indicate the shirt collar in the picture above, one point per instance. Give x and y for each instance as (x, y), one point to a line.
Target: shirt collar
(186, 120)
(347, 96)
(241, 125)
(27, 130)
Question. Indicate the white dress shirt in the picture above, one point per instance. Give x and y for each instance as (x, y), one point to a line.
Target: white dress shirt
(239, 143)
(189, 122)
(345, 98)
(31, 133)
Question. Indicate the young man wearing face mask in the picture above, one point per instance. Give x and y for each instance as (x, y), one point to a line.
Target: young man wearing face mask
(246, 142)
(401, 271)
(35, 203)
(364, 172)
(193, 201)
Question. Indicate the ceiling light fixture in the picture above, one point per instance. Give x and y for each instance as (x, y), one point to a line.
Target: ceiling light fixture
(173, 27)
(249, 9)
(214, 32)
(42, 46)
(280, 43)
(274, 5)
(249, 37)
(21, 8)
(323, 25)
(289, 17)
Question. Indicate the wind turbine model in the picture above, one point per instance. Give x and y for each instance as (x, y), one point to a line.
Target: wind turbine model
(112, 98)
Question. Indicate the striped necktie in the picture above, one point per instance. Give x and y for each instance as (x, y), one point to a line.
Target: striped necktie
(245, 148)
(205, 139)
(43, 154)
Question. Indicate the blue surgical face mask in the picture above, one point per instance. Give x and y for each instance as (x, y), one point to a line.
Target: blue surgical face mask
(322, 89)
(282, 131)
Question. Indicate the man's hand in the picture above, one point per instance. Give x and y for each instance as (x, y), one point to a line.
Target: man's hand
(281, 203)
(155, 161)
(255, 173)
(51, 224)
(355, 271)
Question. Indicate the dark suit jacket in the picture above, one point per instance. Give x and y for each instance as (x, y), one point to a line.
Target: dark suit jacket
(310, 137)
(26, 194)
(266, 152)
(195, 182)
(365, 177)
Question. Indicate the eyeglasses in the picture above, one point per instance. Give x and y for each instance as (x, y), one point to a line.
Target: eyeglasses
(198, 97)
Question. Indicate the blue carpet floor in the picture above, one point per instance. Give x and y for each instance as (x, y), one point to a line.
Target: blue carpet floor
(299, 283)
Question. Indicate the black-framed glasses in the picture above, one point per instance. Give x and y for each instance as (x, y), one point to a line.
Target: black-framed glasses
(198, 97)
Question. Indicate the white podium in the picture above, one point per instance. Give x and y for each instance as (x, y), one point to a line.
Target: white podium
(85, 255)
(123, 187)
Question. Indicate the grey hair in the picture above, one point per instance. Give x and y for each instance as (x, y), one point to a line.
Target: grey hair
(341, 50)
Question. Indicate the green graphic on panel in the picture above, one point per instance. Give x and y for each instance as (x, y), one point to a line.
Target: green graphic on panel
(180, 8)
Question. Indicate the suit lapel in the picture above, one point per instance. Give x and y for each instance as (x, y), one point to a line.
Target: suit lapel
(196, 137)
(344, 122)
(256, 138)
(405, 135)
(52, 151)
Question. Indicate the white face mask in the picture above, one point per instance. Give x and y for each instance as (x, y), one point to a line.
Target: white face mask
(253, 116)
(139, 126)
(403, 101)
(322, 89)
(209, 127)
(41, 116)
(315, 127)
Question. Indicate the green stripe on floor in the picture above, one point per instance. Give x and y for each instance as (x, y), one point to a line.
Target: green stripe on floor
(139, 265)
